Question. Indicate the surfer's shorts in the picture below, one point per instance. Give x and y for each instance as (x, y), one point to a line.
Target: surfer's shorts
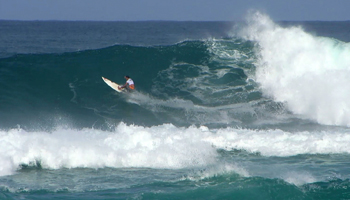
(132, 87)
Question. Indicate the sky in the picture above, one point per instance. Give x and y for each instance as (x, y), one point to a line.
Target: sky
(177, 10)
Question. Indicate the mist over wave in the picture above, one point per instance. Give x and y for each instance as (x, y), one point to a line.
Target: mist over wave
(307, 72)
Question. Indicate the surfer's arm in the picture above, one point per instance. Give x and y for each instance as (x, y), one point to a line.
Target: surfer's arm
(123, 86)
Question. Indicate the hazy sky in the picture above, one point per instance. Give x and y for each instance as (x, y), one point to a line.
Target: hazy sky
(196, 10)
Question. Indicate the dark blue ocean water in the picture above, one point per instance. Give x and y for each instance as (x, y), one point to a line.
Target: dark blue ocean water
(222, 110)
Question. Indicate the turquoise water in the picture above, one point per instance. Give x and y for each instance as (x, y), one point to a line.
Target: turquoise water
(251, 110)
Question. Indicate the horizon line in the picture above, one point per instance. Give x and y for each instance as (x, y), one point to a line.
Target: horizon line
(59, 20)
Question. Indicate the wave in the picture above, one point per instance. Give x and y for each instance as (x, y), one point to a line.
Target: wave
(307, 72)
(262, 76)
(216, 82)
(193, 82)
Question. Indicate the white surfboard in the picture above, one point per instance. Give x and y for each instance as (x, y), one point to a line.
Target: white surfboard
(112, 84)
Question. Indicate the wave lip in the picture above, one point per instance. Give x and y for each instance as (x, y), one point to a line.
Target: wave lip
(307, 72)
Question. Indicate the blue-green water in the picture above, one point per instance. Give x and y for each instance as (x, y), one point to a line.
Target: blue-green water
(251, 110)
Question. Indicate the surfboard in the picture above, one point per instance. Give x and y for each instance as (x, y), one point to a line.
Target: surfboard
(112, 84)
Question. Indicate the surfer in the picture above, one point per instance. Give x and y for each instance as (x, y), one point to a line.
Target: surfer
(129, 82)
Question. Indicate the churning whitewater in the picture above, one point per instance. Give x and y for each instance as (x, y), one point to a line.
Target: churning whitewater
(308, 73)
(164, 146)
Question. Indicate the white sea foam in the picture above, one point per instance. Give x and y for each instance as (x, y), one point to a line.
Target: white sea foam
(299, 178)
(164, 146)
(309, 73)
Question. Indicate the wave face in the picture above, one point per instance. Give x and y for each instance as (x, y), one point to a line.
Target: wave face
(257, 110)
(189, 83)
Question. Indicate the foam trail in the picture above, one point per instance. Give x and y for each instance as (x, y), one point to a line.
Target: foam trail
(164, 146)
(309, 73)
(193, 112)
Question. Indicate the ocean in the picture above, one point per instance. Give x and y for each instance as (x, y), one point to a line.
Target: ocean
(254, 109)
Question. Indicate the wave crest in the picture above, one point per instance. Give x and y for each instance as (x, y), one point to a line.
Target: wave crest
(307, 72)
